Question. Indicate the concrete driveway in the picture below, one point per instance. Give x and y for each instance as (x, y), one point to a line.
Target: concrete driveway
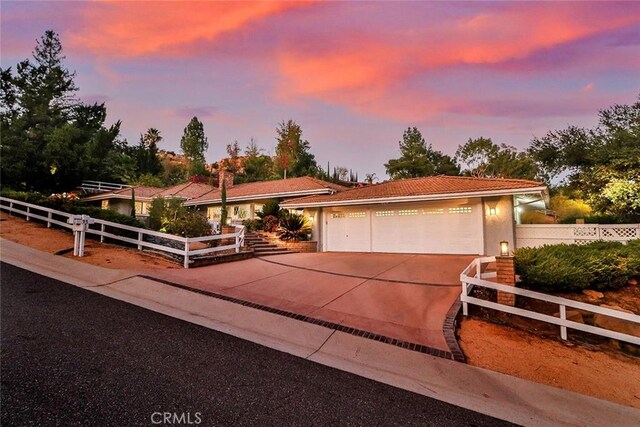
(400, 296)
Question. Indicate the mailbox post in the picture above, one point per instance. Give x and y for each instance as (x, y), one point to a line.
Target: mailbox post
(79, 225)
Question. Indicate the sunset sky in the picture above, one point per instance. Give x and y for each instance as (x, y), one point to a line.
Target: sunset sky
(354, 75)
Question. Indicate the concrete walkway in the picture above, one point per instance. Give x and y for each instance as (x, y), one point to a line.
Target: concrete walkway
(401, 296)
(509, 398)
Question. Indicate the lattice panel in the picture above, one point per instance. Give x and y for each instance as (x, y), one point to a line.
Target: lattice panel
(586, 232)
(619, 232)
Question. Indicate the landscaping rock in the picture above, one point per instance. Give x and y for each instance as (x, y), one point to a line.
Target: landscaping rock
(593, 294)
(633, 281)
(619, 325)
(573, 315)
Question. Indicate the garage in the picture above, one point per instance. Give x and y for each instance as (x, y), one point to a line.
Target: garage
(431, 215)
(453, 227)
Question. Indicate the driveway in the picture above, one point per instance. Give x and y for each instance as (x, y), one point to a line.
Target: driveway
(402, 296)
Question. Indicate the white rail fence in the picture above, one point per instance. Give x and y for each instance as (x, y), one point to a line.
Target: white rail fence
(181, 246)
(473, 276)
(101, 187)
(533, 235)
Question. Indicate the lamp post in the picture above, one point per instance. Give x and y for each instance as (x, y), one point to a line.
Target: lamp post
(506, 274)
(504, 248)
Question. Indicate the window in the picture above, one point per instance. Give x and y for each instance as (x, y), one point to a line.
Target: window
(336, 215)
(142, 208)
(408, 212)
(105, 204)
(236, 210)
(433, 211)
(357, 214)
(460, 210)
(214, 213)
(385, 213)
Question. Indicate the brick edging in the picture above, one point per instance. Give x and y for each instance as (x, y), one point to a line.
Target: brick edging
(331, 325)
(449, 331)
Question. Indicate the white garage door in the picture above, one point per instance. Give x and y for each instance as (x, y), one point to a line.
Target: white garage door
(448, 228)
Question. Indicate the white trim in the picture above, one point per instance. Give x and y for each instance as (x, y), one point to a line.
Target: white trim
(262, 196)
(400, 199)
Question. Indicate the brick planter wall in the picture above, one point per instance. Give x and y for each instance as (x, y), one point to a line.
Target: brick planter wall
(293, 246)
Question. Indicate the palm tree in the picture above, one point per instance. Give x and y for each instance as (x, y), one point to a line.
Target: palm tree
(152, 138)
(370, 177)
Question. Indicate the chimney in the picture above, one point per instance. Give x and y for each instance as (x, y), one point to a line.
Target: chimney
(225, 176)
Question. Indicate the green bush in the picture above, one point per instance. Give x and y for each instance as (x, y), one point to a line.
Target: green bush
(71, 206)
(594, 219)
(270, 208)
(294, 227)
(169, 215)
(253, 224)
(598, 265)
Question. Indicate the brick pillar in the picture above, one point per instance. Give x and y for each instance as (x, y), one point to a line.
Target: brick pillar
(506, 275)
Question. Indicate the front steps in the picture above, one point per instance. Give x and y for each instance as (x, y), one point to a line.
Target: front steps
(261, 246)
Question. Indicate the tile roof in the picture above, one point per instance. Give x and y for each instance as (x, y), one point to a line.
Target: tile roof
(276, 188)
(417, 187)
(189, 190)
(142, 192)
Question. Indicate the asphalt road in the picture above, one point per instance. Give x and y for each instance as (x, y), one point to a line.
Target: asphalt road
(72, 357)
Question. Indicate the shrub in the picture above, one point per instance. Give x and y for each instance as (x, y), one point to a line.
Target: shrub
(270, 223)
(169, 215)
(253, 224)
(595, 219)
(598, 265)
(107, 215)
(270, 208)
(294, 227)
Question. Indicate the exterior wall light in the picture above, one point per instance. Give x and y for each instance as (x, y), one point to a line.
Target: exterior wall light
(493, 211)
(504, 248)
(312, 218)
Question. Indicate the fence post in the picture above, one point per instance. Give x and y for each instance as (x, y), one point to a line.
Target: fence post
(139, 240)
(563, 316)
(506, 275)
(186, 253)
(10, 208)
(238, 242)
(49, 215)
(28, 210)
(101, 233)
(465, 305)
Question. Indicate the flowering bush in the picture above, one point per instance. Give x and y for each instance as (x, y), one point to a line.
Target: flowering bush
(63, 200)
(270, 223)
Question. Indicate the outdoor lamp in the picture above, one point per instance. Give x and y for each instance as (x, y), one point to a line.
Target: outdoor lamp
(492, 211)
(311, 218)
(504, 248)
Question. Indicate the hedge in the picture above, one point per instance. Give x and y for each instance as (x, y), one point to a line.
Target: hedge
(559, 268)
(77, 208)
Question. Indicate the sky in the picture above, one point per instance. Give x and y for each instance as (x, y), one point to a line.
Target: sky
(353, 75)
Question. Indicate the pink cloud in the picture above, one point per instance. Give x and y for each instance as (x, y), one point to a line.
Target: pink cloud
(133, 29)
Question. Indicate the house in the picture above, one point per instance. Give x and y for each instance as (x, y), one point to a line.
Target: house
(120, 200)
(439, 214)
(245, 200)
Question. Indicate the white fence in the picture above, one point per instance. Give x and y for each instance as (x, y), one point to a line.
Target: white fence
(101, 187)
(533, 235)
(477, 278)
(169, 243)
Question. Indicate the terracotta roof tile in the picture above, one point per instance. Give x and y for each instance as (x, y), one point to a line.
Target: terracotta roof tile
(188, 191)
(426, 186)
(274, 188)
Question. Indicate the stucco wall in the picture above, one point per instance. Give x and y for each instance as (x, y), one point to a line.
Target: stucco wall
(500, 226)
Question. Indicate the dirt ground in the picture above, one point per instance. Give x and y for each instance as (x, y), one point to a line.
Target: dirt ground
(606, 375)
(603, 374)
(38, 236)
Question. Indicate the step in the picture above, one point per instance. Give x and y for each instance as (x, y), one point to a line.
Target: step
(263, 245)
(278, 252)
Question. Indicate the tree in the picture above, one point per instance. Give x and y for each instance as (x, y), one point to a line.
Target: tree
(419, 159)
(223, 198)
(146, 153)
(194, 144)
(601, 164)
(482, 158)
(293, 155)
(51, 141)
(370, 178)
(232, 162)
(257, 166)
